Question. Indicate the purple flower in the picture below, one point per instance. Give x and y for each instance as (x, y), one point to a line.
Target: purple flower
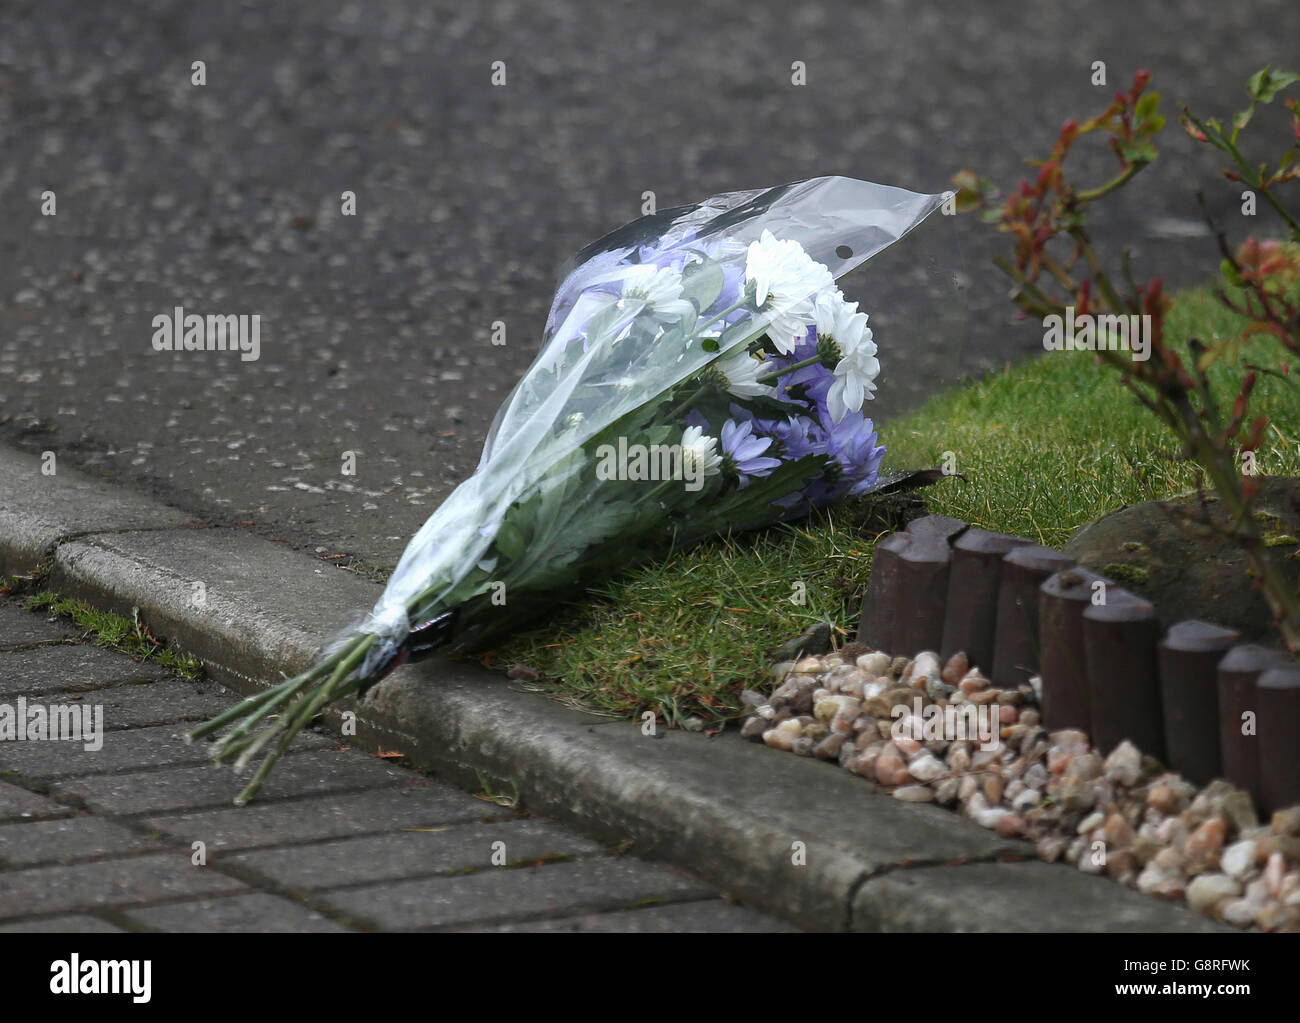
(744, 452)
(579, 281)
(812, 382)
(855, 460)
(696, 418)
(796, 436)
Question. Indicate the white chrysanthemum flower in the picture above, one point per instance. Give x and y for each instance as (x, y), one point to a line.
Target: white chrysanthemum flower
(659, 287)
(839, 321)
(786, 282)
(742, 371)
(700, 456)
(855, 379)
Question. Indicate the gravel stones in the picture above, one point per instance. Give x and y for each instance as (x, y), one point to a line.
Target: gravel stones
(939, 731)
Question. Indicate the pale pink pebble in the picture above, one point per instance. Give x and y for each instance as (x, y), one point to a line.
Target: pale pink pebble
(1274, 872)
(1010, 825)
(1118, 832)
(784, 734)
(925, 767)
(1207, 838)
(1172, 831)
(924, 667)
(1271, 916)
(1170, 888)
(890, 768)
(969, 787)
(983, 757)
(957, 666)
(1170, 861)
(1238, 912)
(1089, 860)
(1059, 760)
(990, 816)
(972, 683)
(1257, 891)
(1070, 738)
(959, 761)
(909, 746)
(865, 762)
(1007, 714)
(914, 793)
(1208, 890)
(874, 664)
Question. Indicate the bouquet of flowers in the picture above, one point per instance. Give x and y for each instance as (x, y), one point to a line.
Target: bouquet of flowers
(699, 372)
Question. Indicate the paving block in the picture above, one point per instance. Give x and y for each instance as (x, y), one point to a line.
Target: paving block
(126, 881)
(163, 746)
(16, 803)
(256, 912)
(32, 843)
(216, 785)
(19, 627)
(420, 804)
(69, 667)
(501, 894)
(70, 924)
(153, 703)
(413, 852)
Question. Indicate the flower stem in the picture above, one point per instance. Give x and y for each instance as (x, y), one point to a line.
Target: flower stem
(776, 374)
(303, 711)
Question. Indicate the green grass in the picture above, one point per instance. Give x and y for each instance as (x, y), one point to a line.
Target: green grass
(1045, 446)
(127, 635)
(1051, 444)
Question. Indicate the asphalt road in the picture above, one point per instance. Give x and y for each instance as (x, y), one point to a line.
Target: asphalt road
(225, 198)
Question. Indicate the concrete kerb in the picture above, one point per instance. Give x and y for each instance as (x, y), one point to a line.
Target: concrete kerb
(792, 836)
(37, 511)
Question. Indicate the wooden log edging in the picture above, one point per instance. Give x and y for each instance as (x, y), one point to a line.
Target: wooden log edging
(1194, 696)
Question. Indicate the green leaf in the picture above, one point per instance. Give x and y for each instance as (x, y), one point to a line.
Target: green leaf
(702, 283)
(709, 344)
(1266, 83)
(1146, 106)
(510, 540)
(588, 531)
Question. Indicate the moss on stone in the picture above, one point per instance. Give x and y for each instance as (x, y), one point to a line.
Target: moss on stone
(1132, 574)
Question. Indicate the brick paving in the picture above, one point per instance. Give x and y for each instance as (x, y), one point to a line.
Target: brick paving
(140, 834)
